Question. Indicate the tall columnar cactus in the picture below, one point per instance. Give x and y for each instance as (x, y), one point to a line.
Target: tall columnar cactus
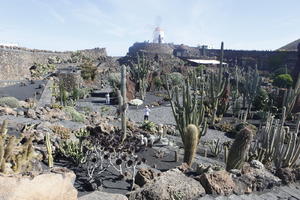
(49, 150)
(290, 97)
(218, 83)
(277, 143)
(235, 92)
(189, 110)
(250, 87)
(123, 101)
(191, 141)
(239, 150)
(4, 127)
(140, 72)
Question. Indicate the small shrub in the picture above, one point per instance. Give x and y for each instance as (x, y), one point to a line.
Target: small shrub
(283, 81)
(64, 133)
(226, 127)
(114, 80)
(11, 102)
(148, 126)
(88, 70)
(175, 79)
(158, 82)
(75, 115)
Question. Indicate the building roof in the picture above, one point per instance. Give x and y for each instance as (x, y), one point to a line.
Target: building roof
(206, 62)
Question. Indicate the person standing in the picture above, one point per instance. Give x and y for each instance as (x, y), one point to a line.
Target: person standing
(146, 113)
(107, 98)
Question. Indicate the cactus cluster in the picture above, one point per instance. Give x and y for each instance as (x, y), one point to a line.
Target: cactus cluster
(140, 72)
(290, 97)
(189, 110)
(250, 85)
(218, 89)
(215, 147)
(276, 143)
(14, 156)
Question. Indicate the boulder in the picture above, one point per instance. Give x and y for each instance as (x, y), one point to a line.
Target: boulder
(218, 182)
(45, 186)
(144, 176)
(172, 184)
(287, 175)
(97, 195)
(253, 179)
(31, 114)
(257, 164)
(106, 128)
(7, 111)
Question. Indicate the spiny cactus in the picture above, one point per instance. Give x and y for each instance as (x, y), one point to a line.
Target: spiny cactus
(191, 141)
(49, 150)
(239, 150)
(249, 88)
(218, 84)
(140, 73)
(191, 109)
(215, 147)
(290, 97)
(4, 127)
(277, 143)
(122, 99)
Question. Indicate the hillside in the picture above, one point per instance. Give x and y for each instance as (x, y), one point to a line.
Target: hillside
(290, 47)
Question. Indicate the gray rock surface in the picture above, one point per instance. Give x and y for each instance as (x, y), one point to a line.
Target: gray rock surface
(172, 184)
(97, 195)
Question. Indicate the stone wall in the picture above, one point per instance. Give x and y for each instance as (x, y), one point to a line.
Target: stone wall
(15, 61)
(151, 48)
(265, 60)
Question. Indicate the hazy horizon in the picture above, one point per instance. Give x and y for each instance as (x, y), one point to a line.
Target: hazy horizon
(115, 25)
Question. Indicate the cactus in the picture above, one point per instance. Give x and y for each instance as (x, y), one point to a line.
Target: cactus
(4, 127)
(191, 110)
(215, 147)
(63, 94)
(22, 160)
(191, 142)
(286, 155)
(140, 72)
(49, 150)
(290, 97)
(122, 99)
(276, 143)
(239, 149)
(225, 153)
(218, 84)
(250, 87)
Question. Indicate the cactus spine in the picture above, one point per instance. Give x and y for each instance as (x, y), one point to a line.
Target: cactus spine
(191, 142)
(49, 150)
(123, 102)
(239, 150)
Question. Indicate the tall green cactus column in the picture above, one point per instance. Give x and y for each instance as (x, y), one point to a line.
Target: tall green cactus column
(217, 85)
(123, 101)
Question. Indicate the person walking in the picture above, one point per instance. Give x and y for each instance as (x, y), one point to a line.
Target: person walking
(146, 113)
